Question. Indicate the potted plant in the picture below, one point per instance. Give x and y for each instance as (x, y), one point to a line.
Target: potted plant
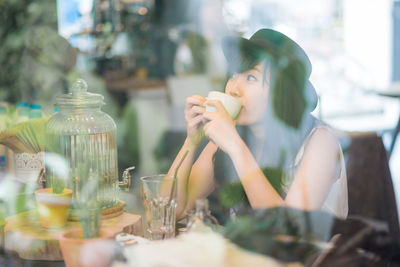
(53, 203)
(90, 245)
(53, 206)
(78, 251)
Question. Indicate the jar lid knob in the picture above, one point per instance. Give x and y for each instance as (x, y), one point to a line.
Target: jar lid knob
(79, 87)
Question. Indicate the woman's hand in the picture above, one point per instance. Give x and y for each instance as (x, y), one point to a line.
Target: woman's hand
(220, 128)
(193, 115)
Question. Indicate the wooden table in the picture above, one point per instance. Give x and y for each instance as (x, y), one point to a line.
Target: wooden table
(24, 234)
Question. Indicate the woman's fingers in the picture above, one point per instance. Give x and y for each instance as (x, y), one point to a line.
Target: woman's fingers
(195, 122)
(194, 106)
(195, 100)
(193, 112)
(193, 116)
(208, 116)
(210, 123)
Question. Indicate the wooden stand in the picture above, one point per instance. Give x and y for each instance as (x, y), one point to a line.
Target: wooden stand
(105, 214)
(24, 234)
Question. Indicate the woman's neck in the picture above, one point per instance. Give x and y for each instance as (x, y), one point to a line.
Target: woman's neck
(258, 130)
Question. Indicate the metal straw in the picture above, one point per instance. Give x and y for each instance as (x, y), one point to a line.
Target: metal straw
(176, 177)
(174, 184)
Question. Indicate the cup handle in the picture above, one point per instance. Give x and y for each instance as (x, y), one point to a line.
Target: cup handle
(126, 179)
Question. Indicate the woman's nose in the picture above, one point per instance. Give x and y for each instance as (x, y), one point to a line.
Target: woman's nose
(233, 87)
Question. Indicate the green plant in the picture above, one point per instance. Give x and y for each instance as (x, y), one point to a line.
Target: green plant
(198, 48)
(86, 204)
(57, 185)
(16, 18)
(232, 194)
(14, 198)
(3, 212)
(128, 137)
(27, 136)
(283, 233)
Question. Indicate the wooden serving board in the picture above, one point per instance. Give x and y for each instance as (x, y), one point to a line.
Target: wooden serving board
(24, 234)
(114, 211)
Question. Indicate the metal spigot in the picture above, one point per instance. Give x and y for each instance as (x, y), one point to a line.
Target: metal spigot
(126, 179)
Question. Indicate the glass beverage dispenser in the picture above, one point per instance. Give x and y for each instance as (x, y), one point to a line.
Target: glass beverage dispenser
(82, 133)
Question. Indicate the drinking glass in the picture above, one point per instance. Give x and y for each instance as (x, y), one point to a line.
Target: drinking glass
(159, 199)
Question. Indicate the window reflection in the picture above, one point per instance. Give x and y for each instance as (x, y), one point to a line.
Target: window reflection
(306, 172)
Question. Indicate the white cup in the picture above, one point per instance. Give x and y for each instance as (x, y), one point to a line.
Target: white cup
(231, 104)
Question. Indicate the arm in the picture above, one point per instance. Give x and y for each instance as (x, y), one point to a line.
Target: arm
(183, 173)
(311, 184)
(318, 170)
(194, 180)
(259, 191)
(220, 129)
(201, 181)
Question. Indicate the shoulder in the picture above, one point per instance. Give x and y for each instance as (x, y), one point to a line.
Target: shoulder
(323, 145)
(319, 140)
(321, 155)
(324, 136)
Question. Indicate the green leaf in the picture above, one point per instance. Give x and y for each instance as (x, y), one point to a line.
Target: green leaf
(260, 231)
(288, 94)
(232, 194)
(29, 136)
(86, 205)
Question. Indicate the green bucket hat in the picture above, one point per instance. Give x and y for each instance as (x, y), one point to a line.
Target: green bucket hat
(292, 94)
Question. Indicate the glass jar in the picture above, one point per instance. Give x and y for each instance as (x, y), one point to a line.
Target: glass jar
(81, 133)
(202, 219)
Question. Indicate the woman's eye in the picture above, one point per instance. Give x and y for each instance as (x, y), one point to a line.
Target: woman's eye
(251, 77)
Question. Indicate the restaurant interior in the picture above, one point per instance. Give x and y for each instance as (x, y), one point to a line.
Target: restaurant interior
(140, 61)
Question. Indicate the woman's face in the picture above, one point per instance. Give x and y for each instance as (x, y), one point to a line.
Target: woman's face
(251, 89)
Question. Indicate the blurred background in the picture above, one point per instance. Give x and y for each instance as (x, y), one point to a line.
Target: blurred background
(146, 56)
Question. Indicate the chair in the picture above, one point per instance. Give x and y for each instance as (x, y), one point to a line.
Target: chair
(370, 186)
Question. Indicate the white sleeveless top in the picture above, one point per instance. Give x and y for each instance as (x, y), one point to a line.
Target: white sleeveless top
(337, 200)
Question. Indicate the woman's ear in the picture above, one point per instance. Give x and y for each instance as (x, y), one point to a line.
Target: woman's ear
(288, 93)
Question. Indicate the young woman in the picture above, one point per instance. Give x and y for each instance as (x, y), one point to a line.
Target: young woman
(276, 151)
